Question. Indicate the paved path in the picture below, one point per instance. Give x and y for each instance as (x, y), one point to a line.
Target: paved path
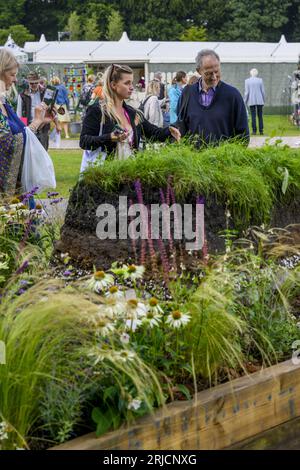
(256, 141)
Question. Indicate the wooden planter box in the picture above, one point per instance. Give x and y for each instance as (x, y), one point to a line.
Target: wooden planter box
(216, 419)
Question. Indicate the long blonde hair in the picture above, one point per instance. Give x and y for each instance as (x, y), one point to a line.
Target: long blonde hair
(7, 61)
(153, 88)
(112, 74)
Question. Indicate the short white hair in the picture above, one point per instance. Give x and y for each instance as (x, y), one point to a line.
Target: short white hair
(253, 72)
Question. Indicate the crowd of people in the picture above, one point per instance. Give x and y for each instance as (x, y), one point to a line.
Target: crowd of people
(202, 107)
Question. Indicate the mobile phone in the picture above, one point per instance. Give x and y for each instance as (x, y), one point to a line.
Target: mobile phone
(50, 96)
(118, 130)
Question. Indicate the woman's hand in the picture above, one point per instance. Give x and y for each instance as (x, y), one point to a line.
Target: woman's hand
(175, 133)
(115, 137)
(42, 116)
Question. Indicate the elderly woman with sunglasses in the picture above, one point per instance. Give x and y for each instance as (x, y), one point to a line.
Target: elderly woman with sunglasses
(114, 126)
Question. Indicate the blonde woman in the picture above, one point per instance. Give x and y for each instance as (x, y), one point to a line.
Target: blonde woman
(12, 129)
(152, 105)
(113, 125)
(62, 103)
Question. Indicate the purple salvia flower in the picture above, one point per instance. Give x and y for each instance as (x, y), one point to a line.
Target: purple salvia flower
(56, 201)
(164, 260)
(22, 268)
(131, 238)
(139, 193)
(162, 196)
(150, 244)
(67, 273)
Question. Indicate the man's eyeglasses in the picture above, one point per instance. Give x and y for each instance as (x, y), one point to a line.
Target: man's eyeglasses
(209, 74)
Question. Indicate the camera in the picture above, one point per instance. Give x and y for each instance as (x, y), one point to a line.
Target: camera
(118, 130)
(50, 96)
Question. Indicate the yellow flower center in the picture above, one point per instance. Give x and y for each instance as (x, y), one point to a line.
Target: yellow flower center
(132, 268)
(153, 302)
(132, 303)
(99, 275)
(113, 290)
(15, 200)
(176, 314)
(38, 206)
(150, 315)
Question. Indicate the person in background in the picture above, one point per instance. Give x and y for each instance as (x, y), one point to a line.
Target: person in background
(175, 94)
(193, 79)
(43, 83)
(162, 91)
(98, 90)
(255, 98)
(115, 127)
(28, 100)
(87, 91)
(211, 110)
(12, 129)
(62, 104)
(142, 83)
(152, 108)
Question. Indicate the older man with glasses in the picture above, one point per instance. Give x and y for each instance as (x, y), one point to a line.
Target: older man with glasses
(212, 110)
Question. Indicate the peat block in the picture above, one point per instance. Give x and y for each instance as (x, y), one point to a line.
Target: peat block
(79, 239)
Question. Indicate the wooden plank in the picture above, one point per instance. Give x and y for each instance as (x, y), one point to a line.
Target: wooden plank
(217, 418)
(285, 436)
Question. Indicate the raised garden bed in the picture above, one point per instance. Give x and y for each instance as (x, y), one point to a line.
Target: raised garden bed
(254, 186)
(216, 419)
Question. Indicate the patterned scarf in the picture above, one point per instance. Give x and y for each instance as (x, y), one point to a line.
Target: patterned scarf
(6, 151)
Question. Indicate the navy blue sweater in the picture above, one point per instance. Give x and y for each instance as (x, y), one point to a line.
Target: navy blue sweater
(224, 118)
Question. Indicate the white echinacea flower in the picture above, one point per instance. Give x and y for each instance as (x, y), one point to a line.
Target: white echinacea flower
(153, 304)
(100, 281)
(176, 319)
(133, 272)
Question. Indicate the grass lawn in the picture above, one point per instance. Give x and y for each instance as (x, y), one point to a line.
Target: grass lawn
(275, 125)
(67, 165)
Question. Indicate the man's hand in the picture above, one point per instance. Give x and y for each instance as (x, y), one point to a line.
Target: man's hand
(175, 133)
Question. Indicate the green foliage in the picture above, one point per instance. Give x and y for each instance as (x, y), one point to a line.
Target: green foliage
(19, 33)
(10, 15)
(194, 34)
(74, 26)
(115, 26)
(255, 20)
(51, 375)
(249, 181)
(234, 20)
(92, 32)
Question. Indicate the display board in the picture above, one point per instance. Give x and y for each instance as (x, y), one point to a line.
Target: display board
(74, 79)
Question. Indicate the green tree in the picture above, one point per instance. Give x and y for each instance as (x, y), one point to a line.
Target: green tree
(255, 20)
(115, 26)
(19, 33)
(74, 26)
(92, 32)
(11, 12)
(194, 34)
